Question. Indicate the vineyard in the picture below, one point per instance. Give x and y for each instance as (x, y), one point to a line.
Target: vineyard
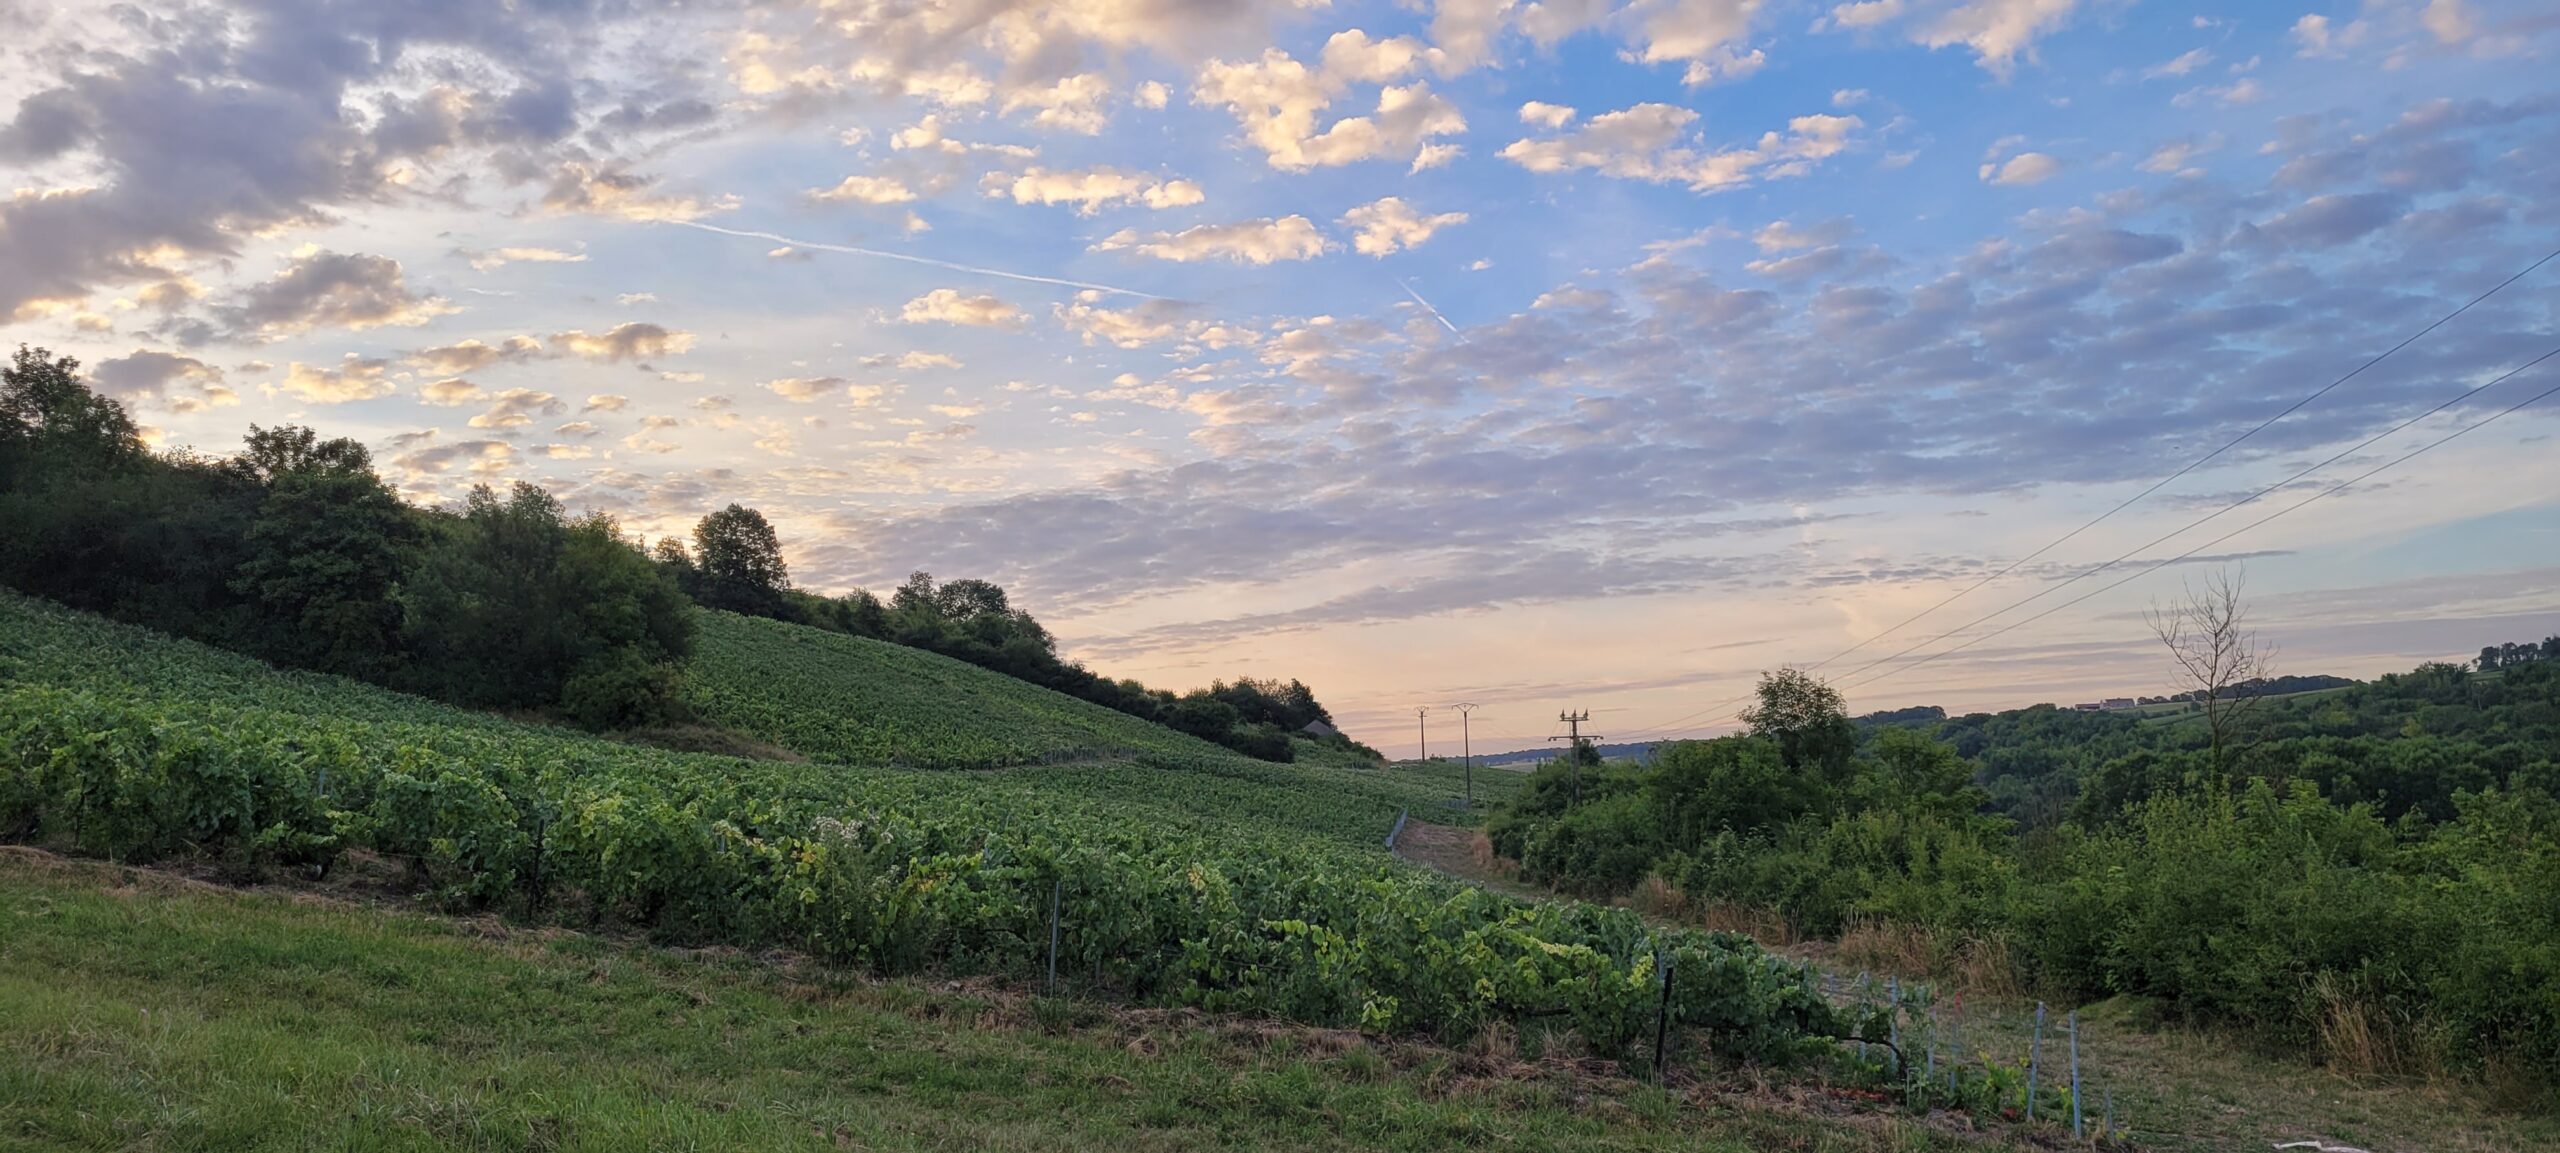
(1174, 879)
(860, 701)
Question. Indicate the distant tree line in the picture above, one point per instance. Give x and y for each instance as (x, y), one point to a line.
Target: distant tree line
(295, 550)
(2510, 655)
(735, 562)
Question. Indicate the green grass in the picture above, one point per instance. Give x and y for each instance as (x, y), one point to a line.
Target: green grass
(143, 1012)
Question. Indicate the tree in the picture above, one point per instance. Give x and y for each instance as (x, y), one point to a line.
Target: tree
(50, 421)
(326, 549)
(1806, 718)
(740, 561)
(2215, 654)
(270, 453)
(2490, 655)
(519, 605)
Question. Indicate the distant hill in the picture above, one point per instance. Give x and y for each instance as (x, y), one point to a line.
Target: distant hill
(1635, 750)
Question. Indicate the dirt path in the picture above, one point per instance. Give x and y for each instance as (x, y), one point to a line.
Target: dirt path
(2176, 1089)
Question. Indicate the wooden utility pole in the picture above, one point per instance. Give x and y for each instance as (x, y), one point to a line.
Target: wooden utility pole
(1467, 747)
(1424, 726)
(1573, 750)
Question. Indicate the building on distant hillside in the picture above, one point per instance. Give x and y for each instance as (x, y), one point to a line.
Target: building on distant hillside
(1320, 730)
(2112, 703)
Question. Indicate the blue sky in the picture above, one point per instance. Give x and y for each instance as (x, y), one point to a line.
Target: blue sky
(1556, 355)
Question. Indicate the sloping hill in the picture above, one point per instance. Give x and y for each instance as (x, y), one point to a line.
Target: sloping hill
(855, 700)
(1159, 780)
(1232, 886)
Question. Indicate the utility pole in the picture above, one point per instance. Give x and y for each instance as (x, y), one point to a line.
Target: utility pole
(1467, 747)
(1573, 750)
(1424, 726)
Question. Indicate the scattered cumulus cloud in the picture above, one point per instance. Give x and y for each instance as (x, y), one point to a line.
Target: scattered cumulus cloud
(1263, 241)
(951, 306)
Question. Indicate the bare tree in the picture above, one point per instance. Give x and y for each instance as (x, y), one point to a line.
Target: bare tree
(2217, 654)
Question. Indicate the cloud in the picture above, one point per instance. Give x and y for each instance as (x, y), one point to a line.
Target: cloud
(1069, 104)
(1152, 94)
(2023, 168)
(195, 133)
(2177, 157)
(1705, 35)
(1136, 327)
(632, 340)
(1784, 236)
(2313, 35)
(866, 190)
(948, 306)
(605, 402)
(805, 389)
(1545, 115)
(472, 355)
(1389, 224)
(1999, 32)
(2184, 63)
(144, 374)
(580, 188)
(355, 378)
(1650, 142)
(516, 408)
(449, 392)
(1278, 101)
(2329, 221)
(1093, 189)
(1262, 241)
(319, 289)
(478, 457)
(501, 257)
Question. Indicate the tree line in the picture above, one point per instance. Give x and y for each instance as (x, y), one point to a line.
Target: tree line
(295, 550)
(2372, 875)
(735, 562)
(2509, 655)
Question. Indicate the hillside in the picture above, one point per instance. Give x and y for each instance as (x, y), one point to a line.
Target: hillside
(1217, 883)
(855, 700)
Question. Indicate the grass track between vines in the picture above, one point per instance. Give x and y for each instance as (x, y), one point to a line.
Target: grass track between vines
(144, 1011)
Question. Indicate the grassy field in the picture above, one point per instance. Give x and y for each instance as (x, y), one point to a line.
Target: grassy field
(141, 1011)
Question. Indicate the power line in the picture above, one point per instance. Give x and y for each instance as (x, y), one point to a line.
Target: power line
(2199, 462)
(2158, 565)
(2195, 464)
(2181, 530)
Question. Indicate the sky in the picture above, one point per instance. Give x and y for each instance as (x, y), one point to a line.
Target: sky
(1557, 355)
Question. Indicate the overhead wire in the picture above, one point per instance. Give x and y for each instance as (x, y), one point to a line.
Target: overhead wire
(1676, 724)
(2195, 464)
(2156, 566)
(2199, 522)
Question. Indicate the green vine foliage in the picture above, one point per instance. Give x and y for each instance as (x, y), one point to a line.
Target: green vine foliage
(119, 744)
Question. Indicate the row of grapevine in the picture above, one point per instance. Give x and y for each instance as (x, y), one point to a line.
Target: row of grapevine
(886, 879)
(1200, 880)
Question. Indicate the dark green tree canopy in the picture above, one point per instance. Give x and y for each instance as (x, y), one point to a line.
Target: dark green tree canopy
(739, 561)
(1806, 718)
(50, 421)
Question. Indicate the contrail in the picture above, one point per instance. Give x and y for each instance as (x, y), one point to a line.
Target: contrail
(924, 260)
(1426, 307)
